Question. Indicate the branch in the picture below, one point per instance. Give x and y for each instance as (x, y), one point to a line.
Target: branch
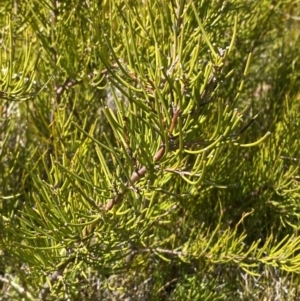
(46, 287)
(136, 176)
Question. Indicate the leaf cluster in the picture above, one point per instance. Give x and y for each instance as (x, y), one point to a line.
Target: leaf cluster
(149, 150)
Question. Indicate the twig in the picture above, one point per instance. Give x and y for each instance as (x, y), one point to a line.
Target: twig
(166, 285)
(46, 287)
(136, 176)
(174, 120)
(68, 83)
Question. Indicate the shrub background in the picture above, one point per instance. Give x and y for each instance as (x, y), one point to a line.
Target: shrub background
(136, 154)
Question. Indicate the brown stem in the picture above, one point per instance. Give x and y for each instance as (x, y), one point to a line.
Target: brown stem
(174, 120)
(136, 176)
(43, 293)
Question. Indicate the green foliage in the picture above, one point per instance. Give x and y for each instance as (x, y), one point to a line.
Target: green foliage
(149, 150)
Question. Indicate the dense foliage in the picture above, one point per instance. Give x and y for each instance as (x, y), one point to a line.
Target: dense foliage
(149, 150)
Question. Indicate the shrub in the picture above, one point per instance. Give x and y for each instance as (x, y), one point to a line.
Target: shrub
(149, 150)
